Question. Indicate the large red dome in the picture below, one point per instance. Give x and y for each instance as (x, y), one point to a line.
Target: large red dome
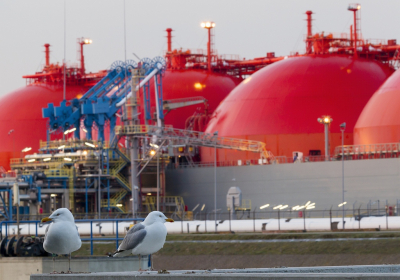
(379, 121)
(21, 111)
(280, 104)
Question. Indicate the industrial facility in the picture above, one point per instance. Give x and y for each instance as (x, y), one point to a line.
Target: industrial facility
(178, 131)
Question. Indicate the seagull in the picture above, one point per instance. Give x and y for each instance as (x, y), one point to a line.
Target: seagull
(145, 238)
(62, 236)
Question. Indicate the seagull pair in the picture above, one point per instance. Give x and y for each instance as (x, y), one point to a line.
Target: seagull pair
(145, 238)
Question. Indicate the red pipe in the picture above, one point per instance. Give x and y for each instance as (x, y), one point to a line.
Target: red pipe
(309, 32)
(351, 35)
(82, 58)
(257, 62)
(169, 39)
(47, 52)
(355, 33)
(209, 49)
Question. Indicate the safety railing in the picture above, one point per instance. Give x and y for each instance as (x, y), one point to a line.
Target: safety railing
(131, 129)
(368, 150)
(188, 137)
(289, 220)
(72, 144)
(91, 238)
(58, 173)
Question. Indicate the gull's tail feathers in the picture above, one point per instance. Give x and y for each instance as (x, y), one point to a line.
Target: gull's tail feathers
(119, 254)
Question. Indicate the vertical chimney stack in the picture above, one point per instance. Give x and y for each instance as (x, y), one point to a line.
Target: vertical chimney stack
(47, 52)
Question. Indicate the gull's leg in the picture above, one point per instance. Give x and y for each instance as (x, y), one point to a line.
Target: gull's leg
(151, 262)
(140, 263)
(54, 263)
(69, 262)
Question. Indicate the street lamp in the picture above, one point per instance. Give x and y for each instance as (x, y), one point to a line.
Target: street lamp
(81, 42)
(354, 8)
(342, 129)
(208, 25)
(215, 180)
(326, 120)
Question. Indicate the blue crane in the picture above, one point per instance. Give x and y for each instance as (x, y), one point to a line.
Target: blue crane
(102, 102)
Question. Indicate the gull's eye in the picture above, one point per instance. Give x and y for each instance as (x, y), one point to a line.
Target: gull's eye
(160, 216)
(58, 214)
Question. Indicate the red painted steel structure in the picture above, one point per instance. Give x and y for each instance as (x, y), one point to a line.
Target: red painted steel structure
(20, 110)
(188, 75)
(280, 104)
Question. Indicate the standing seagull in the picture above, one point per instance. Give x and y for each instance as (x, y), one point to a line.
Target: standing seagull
(62, 236)
(145, 238)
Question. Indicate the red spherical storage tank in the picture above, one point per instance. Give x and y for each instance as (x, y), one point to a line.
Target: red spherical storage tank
(379, 122)
(21, 111)
(192, 83)
(279, 105)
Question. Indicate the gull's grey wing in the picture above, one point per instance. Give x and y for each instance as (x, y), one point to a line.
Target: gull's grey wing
(133, 238)
(77, 231)
(47, 229)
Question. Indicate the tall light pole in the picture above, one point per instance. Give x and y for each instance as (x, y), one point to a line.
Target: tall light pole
(354, 8)
(81, 42)
(152, 153)
(342, 129)
(215, 180)
(326, 120)
(208, 25)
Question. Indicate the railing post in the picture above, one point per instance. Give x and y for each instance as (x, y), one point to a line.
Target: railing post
(182, 223)
(387, 210)
(91, 238)
(330, 218)
(116, 231)
(230, 213)
(304, 219)
(254, 220)
(359, 219)
(205, 220)
(279, 220)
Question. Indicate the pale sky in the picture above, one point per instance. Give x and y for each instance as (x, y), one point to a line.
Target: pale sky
(248, 28)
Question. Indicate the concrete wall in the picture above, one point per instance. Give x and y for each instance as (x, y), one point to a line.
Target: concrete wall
(293, 184)
(22, 268)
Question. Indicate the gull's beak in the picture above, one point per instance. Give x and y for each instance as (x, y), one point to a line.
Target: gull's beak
(44, 220)
(169, 220)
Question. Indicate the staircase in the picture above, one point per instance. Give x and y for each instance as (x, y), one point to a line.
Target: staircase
(115, 172)
(123, 154)
(114, 201)
(173, 204)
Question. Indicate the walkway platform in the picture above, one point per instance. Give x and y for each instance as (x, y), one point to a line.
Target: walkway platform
(327, 272)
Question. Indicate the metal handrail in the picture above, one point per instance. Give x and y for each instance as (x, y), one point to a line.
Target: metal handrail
(77, 143)
(379, 148)
(196, 138)
(91, 239)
